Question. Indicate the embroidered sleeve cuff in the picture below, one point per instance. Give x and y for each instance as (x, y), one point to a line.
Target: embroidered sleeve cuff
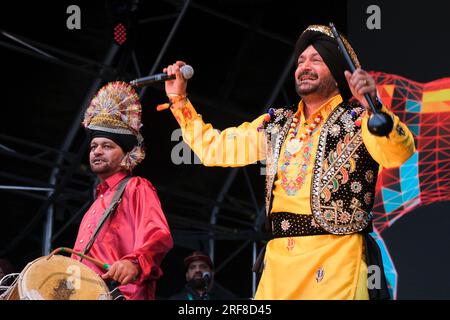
(399, 131)
(184, 112)
(393, 150)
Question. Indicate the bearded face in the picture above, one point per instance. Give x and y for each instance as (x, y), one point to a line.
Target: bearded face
(198, 283)
(105, 157)
(194, 274)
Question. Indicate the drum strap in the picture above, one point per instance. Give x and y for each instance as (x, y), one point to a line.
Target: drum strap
(110, 210)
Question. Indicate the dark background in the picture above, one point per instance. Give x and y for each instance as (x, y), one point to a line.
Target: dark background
(239, 50)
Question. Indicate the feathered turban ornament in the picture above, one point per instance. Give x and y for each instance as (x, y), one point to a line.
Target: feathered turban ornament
(115, 113)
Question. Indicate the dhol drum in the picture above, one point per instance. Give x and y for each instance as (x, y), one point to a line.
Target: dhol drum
(56, 277)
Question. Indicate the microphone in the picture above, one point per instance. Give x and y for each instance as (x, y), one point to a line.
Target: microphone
(206, 276)
(186, 71)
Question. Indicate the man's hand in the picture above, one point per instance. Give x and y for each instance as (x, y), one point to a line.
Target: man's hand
(360, 83)
(179, 84)
(122, 271)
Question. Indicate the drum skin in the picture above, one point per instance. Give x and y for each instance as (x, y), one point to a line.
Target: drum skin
(58, 278)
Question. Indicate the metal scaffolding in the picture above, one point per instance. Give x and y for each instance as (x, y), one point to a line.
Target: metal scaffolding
(68, 181)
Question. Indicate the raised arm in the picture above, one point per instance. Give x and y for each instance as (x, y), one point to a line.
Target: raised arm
(233, 147)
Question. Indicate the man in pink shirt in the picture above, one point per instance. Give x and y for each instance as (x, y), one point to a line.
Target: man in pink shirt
(135, 238)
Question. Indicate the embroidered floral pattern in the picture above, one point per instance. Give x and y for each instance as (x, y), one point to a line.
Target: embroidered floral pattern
(348, 122)
(335, 130)
(356, 186)
(329, 215)
(344, 171)
(359, 216)
(349, 126)
(285, 225)
(369, 176)
(338, 202)
(344, 217)
(346, 117)
(275, 131)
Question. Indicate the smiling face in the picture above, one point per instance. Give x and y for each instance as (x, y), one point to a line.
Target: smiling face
(105, 157)
(312, 76)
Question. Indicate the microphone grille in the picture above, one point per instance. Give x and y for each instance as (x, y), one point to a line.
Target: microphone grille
(206, 275)
(187, 71)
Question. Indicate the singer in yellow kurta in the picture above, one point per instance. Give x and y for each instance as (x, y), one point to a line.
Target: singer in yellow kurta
(325, 266)
(291, 273)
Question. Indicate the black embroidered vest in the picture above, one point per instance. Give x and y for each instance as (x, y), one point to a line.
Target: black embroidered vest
(344, 173)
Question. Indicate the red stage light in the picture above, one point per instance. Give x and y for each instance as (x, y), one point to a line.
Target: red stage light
(120, 34)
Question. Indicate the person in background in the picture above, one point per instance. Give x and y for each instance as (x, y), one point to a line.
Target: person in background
(200, 283)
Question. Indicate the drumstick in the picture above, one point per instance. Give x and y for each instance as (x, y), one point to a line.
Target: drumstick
(98, 263)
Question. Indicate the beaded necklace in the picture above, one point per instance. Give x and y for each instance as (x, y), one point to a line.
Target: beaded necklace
(295, 144)
(292, 183)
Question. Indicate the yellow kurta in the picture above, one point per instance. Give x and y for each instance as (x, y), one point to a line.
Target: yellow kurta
(310, 267)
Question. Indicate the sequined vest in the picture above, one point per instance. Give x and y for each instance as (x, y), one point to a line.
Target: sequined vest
(344, 173)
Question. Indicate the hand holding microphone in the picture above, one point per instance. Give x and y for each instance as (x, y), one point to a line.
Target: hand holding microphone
(186, 71)
(175, 77)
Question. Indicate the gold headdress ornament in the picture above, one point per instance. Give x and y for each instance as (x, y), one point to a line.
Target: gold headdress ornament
(326, 30)
(116, 109)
